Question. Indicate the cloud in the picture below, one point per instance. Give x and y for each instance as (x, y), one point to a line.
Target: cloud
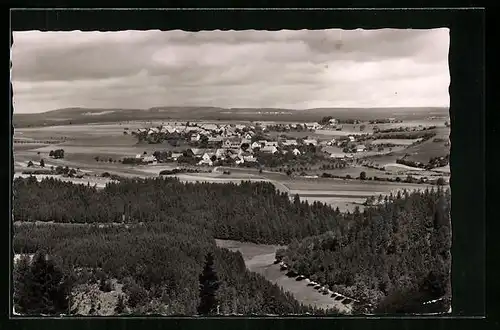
(292, 69)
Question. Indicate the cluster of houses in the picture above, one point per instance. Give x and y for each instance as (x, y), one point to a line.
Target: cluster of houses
(217, 131)
(232, 141)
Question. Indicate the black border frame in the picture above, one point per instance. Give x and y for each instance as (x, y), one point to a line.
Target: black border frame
(467, 89)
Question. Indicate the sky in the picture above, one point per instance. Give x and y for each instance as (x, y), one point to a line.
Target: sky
(292, 69)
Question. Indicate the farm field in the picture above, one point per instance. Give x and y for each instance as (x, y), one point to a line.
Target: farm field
(260, 259)
(401, 142)
(421, 152)
(351, 186)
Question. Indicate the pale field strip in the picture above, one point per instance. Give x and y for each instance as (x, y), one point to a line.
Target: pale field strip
(406, 167)
(97, 113)
(334, 193)
(401, 142)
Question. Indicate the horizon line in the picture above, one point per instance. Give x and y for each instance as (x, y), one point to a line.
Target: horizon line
(228, 108)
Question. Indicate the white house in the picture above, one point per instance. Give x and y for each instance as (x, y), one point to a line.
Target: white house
(239, 160)
(333, 121)
(245, 140)
(250, 159)
(197, 152)
(220, 153)
(206, 159)
(195, 137)
(271, 144)
(360, 148)
(138, 156)
(290, 143)
(311, 141)
(153, 130)
(256, 145)
(149, 159)
(336, 155)
(232, 143)
(351, 138)
(205, 162)
(214, 140)
(248, 136)
(176, 155)
(269, 149)
(172, 130)
(296, 152)
(207, 156)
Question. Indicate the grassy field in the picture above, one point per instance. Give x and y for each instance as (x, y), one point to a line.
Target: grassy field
(421, 152)
(401, 142)
(347, 186)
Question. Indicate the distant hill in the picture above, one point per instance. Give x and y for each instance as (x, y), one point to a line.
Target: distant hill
(89, 115)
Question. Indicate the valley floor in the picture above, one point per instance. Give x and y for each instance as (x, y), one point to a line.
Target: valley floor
(260, 258)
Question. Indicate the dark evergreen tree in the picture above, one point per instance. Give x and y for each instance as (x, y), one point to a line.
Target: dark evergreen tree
(120, 305)
(209, 284)
(44, 289)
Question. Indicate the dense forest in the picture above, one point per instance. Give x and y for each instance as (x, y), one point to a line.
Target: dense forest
(158, 263)
(397, 248)
(251, 211)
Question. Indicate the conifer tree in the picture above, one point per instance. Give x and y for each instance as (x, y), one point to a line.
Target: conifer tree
(120, 305)
(209, 283)
(42, 288)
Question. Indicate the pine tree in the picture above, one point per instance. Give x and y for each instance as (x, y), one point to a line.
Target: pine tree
(120, 305)
(209, 283)
(43, 289)
(22, 281)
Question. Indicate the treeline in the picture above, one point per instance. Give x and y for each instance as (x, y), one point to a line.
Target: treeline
(438, 161)
(406, 129)
(180, 170)
(58, 170)
(400, 247)
(405, 135)
(161, 137)
(408, 179)
(384, 121)
(56, 154)
(158, 265)
(250, 211)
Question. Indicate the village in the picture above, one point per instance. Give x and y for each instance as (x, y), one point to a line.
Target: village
(210, 144)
